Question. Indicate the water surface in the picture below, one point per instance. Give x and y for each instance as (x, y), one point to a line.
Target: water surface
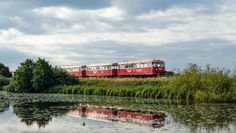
(77, 113)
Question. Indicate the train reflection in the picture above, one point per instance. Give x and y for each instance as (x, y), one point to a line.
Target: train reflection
(136, 117)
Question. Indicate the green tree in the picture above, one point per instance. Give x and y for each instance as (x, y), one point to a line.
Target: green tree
(61, 77)
(38, 77)
(42, 75)
(22, 80)
(4, 71)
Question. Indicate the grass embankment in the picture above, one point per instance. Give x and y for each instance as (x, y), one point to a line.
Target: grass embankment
(131, 87)
(193, 84)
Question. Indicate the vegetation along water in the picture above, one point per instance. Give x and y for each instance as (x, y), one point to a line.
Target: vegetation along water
(193, 84)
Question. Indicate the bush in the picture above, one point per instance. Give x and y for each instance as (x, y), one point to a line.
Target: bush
(4, 82)
(194, 83)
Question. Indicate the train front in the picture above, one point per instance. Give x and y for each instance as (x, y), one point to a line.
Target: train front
(158, 67)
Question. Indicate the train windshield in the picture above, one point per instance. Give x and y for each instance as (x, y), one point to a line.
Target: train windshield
(158, 64)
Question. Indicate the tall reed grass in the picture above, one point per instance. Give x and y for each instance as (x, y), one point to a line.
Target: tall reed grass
(192, 84)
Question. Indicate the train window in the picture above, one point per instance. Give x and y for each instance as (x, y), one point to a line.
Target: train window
(158, 64)
(76, 69)
(123, 66)
(114, 67)
(143, 65)
(127, 66)
(131, 66)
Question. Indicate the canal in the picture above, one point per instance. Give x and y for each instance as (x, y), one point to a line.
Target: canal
(56, 113)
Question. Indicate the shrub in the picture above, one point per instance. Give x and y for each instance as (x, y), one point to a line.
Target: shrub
(4, 82)
(209, 84)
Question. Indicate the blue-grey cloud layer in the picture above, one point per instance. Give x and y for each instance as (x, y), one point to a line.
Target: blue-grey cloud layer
(81, 32)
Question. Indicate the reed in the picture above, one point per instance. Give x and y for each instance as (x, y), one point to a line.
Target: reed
(192, 84)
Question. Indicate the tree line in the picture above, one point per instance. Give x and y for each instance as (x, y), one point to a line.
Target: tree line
(5, 75)
(4, 71)
(38, 76)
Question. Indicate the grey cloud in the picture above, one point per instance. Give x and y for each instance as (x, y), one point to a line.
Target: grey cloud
(12, 57)
(140, 6)
(219, 53)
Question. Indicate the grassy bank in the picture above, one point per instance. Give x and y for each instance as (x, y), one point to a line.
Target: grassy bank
(192, 84)
(131, 87)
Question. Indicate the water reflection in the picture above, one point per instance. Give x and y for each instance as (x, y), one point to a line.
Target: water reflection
(135, 117)
(43, 108)
(4, 103)
(40, 113)
(208, 117)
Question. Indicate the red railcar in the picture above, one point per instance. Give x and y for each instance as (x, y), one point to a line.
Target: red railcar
(78, 71)
(109, 69)
(141, 67)
(151, 67)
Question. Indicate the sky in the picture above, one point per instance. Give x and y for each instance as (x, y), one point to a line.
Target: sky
(76, 32)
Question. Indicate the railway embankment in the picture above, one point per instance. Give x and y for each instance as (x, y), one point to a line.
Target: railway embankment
(192, 84)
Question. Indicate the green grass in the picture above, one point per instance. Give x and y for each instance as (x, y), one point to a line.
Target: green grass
(113, 87)
(192, 84)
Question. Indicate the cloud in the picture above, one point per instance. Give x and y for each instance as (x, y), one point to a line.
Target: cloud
(66, 13)
(12, 57)
(77, 32)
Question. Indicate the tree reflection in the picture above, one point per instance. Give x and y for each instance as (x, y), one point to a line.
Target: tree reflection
(4, 103)
(41, 113)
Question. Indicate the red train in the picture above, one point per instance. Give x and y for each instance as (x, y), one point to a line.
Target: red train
(151, 67)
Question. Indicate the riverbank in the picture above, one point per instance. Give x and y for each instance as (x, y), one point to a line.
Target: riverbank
(187, 89)
(124, 87)
(192, 84)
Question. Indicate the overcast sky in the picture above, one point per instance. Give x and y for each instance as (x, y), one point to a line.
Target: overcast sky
(74, 32)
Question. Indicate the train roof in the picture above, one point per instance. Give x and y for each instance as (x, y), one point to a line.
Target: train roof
(73, 66)
(102, 64)
(115, 63)
(141, 61)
